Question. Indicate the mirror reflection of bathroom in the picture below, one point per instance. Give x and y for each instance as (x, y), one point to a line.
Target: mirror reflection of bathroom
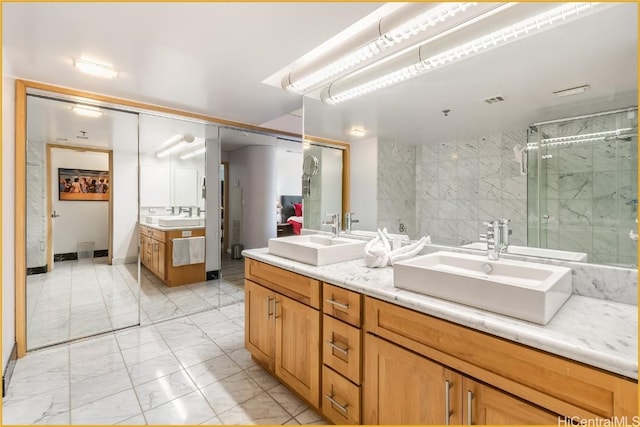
(81, 247)
(323, 169)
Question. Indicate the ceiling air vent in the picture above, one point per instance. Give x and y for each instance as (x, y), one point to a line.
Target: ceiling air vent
(494, 99)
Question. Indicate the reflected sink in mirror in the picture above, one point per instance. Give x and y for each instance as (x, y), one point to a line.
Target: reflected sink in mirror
(317, 249)
(525, 290)
(537, 252)
(175, 221)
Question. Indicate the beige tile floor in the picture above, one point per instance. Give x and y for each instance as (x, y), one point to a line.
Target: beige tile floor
(87, 297)
(188, 370)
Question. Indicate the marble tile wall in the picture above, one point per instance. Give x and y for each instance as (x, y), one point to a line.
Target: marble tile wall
(460, 184)
(397, 188)
(587, 191)
(36, 205)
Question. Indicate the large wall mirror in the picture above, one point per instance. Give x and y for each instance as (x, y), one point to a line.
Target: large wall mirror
(474, 140)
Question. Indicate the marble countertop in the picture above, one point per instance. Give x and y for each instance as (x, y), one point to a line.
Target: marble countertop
(180, 227)
(600, 333)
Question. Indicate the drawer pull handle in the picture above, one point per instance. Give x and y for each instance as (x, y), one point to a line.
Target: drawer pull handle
(343, 408)
(269, 307)
(338, 304)
(337, 347)
(469, 407)
(447, 402)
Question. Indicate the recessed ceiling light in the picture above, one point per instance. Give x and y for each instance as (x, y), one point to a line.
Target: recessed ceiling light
(571, 91)
(359, 132)
(85, 110)
(94, 68)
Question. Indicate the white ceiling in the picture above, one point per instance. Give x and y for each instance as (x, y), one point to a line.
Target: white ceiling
(211, 58)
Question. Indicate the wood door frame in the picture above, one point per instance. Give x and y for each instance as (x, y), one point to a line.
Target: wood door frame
(225, 205)
(49, 186)
(20, 209)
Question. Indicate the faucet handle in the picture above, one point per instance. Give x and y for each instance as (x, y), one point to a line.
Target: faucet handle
(504, 221)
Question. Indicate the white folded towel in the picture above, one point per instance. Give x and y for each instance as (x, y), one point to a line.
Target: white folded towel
(196, 250)
(180, 254)
(378, 251)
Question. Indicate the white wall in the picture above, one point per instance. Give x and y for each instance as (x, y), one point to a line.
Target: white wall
(331, 181)
(254, 168)
(289, 168)
(79, 221)
(364, 183)
(8, 227)
(124, 182)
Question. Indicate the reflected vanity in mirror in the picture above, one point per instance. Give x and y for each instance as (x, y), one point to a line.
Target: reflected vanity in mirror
(494, 136)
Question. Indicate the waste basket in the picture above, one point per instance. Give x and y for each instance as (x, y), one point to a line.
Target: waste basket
(236, 251)
(85, 250)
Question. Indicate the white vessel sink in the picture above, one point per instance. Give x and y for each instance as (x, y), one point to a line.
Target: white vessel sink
(539, 252)
(317, 249)
(526, 290)
(176, 221)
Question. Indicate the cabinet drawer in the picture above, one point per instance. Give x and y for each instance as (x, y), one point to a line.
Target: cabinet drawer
(144, 230)
(342, 345)
(563, 386)
(157, 234)
(300, 288)
(342, 304)
(340, 398)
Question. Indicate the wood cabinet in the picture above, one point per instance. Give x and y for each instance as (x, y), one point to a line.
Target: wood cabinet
(433, 394)
(360, 360)
(156, 253)
(283, 333)
(539, 385)
(341, 355)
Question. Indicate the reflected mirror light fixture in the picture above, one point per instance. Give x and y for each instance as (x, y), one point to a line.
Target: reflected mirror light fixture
(95, 69)
(175, 143)
(403, 29)
(420, 61)
(199, 147)
(357, 131)
(86, 110)
(571, 91)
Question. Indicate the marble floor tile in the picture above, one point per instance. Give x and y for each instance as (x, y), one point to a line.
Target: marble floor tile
(144, 352)
(231, 391)
(85, 369)
(212, 422)
(191, 409)
(137, 336)
(45, 408)
(98, 387)
(261, 409)
(287, 400)
(230, 343)
(134, 421)
(110, 410)
(199, 353)
(29, 386)
(242, 357)
(213, 370)
(164, 389)
(93, 347)
(155, 368)
(309, 416)
(215, 331)
(263, 378)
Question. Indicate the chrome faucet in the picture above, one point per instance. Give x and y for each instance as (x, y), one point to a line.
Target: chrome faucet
(334, 223)
(200, 211)
(348, 221)
(186, 209)
(497, 237)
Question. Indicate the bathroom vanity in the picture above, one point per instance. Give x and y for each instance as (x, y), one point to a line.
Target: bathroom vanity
(361, 351)
(156, 250)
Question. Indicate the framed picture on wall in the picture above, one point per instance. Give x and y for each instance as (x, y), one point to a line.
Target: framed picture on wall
(83, 184)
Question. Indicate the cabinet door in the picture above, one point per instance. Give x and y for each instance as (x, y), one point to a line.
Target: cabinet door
(259, 332)
(161, 260)
(143, 249)
(484, 404)
(298, 347)
(400, 387)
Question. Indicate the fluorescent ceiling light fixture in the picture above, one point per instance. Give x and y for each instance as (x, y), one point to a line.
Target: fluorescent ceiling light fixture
(198, 148)
(86, 110)
(424, 63)
(94, 68)
(355, 131)
(571, 91)
(585, 137)
(410, 24)
(175, 143)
